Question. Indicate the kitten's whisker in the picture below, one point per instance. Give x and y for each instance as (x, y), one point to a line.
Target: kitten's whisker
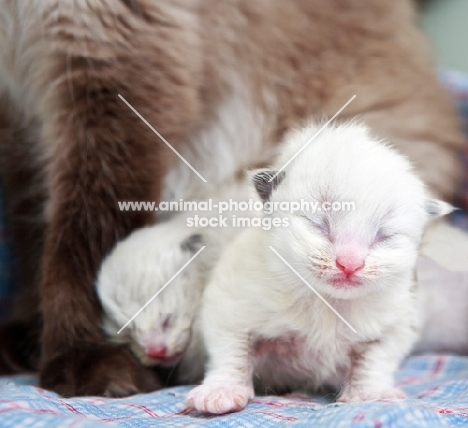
(313, 289)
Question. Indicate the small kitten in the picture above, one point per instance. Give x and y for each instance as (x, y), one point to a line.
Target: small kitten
(144, 262)
(134, 271)
(262, 323)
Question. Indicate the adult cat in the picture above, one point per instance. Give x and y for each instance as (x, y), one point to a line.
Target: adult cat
(221, 80)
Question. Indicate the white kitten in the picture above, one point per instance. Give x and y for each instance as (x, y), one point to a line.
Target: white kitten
(145, 261)
(135, 270)
(262, 323)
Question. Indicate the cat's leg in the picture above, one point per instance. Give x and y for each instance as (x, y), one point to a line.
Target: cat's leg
(374, 365)
(98, 167)
(99, 153)
(228, 383)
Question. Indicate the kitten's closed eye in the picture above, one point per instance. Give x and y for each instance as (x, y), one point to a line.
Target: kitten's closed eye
(321, 224)
(171, 322)
(383, 235)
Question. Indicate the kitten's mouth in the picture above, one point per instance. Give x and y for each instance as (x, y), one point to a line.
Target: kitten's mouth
(345, 282)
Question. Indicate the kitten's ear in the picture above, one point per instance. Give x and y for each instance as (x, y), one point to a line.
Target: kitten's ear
(436, 208)
(193, 243)
(266, 181)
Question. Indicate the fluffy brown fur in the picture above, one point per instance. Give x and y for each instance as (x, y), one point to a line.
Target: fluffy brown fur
(64, 62)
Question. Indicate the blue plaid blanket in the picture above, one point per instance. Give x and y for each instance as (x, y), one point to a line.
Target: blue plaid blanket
(437, 386)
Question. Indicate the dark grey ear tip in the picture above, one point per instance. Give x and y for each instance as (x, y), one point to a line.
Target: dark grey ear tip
(436, 208)
(432, 208)
(270, 176)
(266, 181)
(193, 243)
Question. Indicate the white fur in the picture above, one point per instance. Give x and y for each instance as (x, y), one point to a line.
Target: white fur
(262, 323)
(444, 308)
(443, 288)
(144, 262)
(447, 245)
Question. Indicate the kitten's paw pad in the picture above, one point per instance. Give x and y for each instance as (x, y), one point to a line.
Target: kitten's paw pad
(219, 399)
(360, 393)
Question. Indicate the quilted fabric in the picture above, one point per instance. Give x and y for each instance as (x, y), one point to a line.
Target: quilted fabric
(437, 389)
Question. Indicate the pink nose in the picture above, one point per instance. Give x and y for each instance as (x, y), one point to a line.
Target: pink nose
(349, 265)
(156, 351)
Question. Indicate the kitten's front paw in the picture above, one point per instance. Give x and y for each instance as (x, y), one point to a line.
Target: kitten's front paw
(357, 394)
(219, 399)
